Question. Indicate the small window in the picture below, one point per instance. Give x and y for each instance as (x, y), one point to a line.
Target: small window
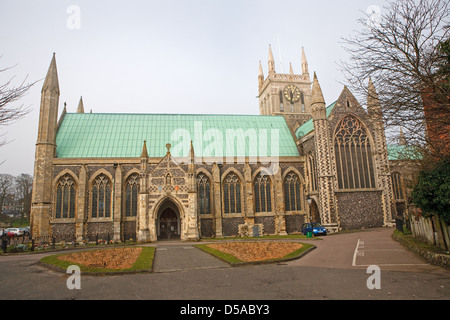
(281, 102)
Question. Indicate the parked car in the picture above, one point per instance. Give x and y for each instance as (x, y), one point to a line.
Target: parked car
(12, 232)
(317, 229)
(26, 231)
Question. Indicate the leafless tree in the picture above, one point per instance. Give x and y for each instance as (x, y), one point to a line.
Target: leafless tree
(9, 94)
(401, 51)
(6, 188)
(23, 188)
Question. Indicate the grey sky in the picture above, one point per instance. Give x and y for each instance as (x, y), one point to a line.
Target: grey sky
(191, 56)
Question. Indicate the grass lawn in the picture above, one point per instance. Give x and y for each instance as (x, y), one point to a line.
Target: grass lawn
(143, 263)
(233, 260)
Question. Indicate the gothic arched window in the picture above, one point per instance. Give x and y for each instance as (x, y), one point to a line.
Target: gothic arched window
(101, 197)
(302, 99)
(263, 199)
(397, 186)
(354, 163)
(312, 172)
(281, 101)
(204, 194)
(292, 192)
(65, 198)
(131, 195)
(232, 194)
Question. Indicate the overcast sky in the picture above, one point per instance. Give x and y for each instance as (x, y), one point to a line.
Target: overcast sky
(171, 56)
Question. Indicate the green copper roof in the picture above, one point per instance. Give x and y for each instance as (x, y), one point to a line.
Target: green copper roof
(402, 152)
(97, 135)
(308, 126)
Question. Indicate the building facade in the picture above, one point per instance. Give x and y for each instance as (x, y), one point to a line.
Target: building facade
(178, 176)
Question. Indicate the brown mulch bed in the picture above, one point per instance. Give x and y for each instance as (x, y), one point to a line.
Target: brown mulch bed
(117, 258)
(257, 251)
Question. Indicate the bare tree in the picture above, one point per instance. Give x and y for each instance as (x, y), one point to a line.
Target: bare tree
(9, 94)
(403, 53)
(23, 188)
(6, 188)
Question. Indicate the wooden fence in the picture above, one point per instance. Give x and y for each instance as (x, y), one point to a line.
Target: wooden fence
(433, 230)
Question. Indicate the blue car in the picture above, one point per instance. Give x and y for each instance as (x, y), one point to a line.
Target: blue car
(317, 229)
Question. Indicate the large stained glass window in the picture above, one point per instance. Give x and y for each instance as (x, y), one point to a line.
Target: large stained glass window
(353, 155)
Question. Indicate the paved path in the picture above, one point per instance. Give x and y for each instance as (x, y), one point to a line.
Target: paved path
(171, 257)
(336, 269)
(361, 249)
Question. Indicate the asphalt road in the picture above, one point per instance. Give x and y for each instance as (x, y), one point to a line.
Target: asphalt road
(336, 269)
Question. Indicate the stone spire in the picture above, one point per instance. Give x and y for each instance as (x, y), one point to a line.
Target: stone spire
(51, 82)
(144, 165)
(304, 63)
(80, 108)
(191, 160)
(317, 100)
(260, 75)
(271, 61)
(401, 138)
(373, 102)
(291, 71)
(144, 153)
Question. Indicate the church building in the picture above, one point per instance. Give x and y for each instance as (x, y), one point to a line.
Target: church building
(184, 176)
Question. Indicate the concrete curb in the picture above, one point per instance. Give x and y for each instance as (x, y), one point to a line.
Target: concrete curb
(437, 259)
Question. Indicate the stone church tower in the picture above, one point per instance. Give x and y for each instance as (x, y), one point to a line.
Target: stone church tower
(288, 95)
(45, 152)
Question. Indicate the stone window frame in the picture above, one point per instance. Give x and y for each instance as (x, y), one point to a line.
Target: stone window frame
(354, 155)
(294, 184)
(262, 185)
(70, 181)
(237, 179)
(96, 183)
(312, 172)
(398, 186)
(131, 181)
(204, 181)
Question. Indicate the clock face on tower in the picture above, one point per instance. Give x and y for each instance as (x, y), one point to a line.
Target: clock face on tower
(292, 93)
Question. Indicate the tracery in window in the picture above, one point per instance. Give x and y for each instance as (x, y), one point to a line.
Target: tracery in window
(101, 197)
(232, 194)
(312, 172)
(262, 192)
(397, 186)
(65, 198)
(131, 195)
(204, 194)
(293, 192)
(353, 153)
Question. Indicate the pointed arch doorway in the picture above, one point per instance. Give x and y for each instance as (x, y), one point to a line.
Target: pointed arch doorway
(314, 211)
(168, 223)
